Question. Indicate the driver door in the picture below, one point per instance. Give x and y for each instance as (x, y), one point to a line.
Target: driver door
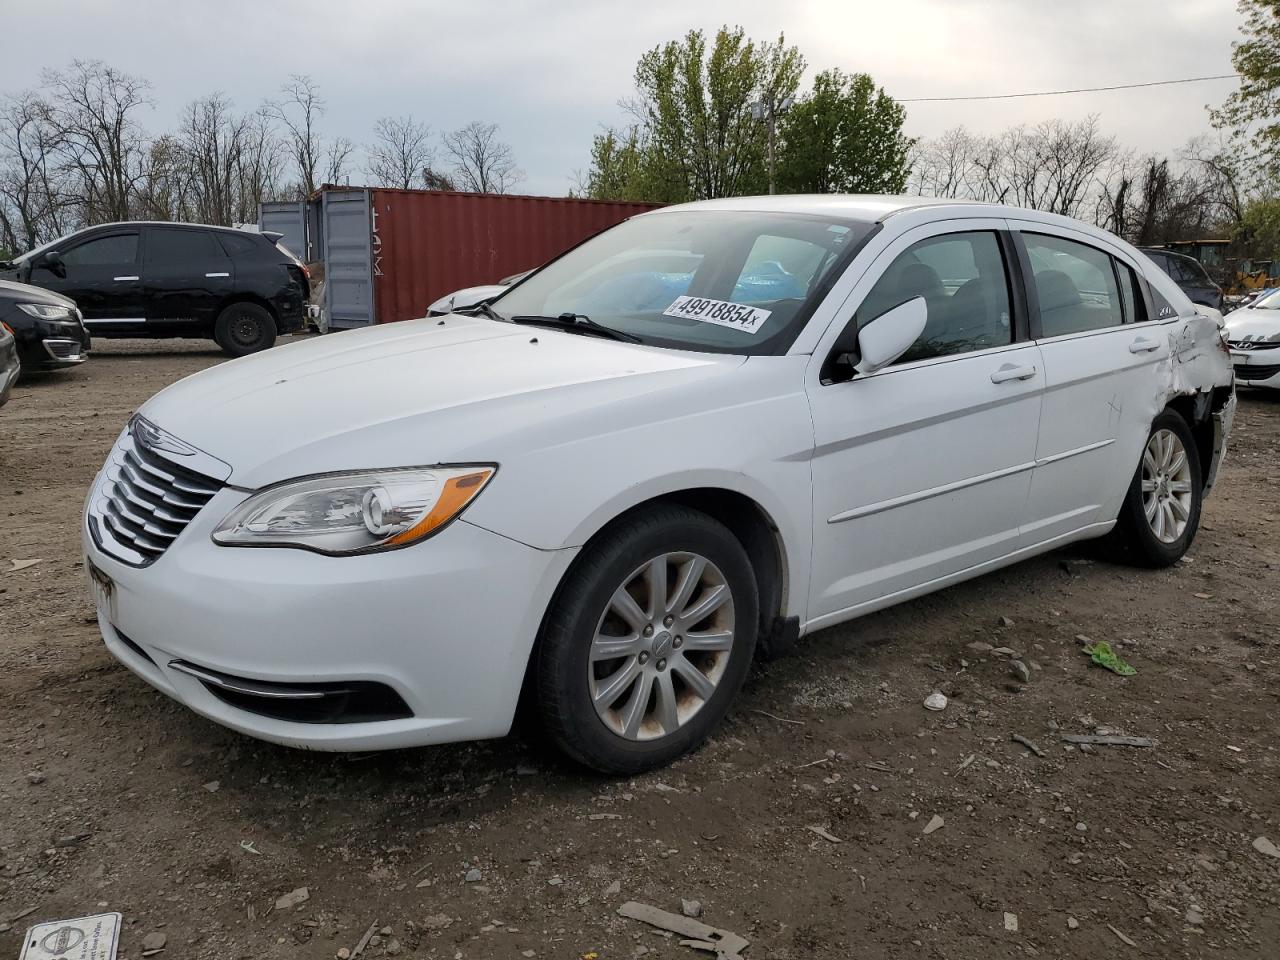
(921, 469)
(102, 277)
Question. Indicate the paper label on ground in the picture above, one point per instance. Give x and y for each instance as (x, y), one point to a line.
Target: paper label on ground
(722, 312)
(85, 938)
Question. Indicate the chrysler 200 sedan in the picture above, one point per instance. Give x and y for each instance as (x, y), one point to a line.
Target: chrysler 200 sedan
(691, 439)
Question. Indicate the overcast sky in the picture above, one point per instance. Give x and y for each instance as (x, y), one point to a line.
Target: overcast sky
(551, 72)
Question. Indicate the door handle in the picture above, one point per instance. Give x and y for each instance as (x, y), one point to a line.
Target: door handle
(217, 274)
(1143, 345)
(119, 279)
(1010, 372)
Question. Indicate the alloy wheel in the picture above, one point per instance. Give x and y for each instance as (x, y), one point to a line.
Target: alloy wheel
(1166, 486)
(661, 647)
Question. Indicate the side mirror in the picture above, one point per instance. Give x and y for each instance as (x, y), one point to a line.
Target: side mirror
(52, 261)
(890, 335)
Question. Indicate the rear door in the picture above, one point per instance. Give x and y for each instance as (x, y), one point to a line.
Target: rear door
(921, 469)
(186, 276)
(101, 277)
(1100, 355)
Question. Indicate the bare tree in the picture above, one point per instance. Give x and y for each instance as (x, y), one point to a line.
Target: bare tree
(32, 195)
(481, 162)
(93, 107)
(213, 139)
(337, 156)
(300, 112)
(261, 166)
(401, 153)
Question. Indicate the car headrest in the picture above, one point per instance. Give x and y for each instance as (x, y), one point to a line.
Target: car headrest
(920, 280)
(1056, 289)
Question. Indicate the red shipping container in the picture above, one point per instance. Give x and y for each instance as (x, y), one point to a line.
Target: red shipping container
(428, 243)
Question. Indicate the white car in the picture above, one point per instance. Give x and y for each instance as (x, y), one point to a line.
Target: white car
(468, 297)
(698, 436)
(1254, 336)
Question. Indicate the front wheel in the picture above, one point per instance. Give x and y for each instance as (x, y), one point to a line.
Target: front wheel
(648, 641)
(244, 328)
(1161, 511)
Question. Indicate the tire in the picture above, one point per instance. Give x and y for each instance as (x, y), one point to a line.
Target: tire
(244, 328)
(1168, 477)
(591, 619)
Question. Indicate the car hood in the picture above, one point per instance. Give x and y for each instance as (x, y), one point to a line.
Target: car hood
(26, 293)
(451, 390)
(1252, 324)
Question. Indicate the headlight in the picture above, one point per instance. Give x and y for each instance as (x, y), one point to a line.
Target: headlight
(46, 311)
(341, 514)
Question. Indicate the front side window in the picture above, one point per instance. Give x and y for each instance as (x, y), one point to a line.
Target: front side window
(169, 246)
(1073, 284)
(965, 287)
(721, 281)
(103, 251)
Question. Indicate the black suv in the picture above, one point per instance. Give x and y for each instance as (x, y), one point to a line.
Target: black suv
(174, 280)
(1189, 274)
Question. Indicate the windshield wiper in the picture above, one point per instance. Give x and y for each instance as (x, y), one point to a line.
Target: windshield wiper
(482, 307)
(577, 323)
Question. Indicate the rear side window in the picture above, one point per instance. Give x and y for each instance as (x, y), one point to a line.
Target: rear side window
(1189, 272)
(965, 287)
(237, 246)
(177, 247)
(1135, 308)
(101, 251)
(1073, 284)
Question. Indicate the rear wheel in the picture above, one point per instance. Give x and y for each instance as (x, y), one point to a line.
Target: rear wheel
(1161, 511)
(244, 328)
(648, 642)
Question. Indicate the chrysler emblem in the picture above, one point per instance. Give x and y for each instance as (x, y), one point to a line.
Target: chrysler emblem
(153, 438)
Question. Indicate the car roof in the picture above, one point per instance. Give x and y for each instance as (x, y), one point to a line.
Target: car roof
(877, 208)
(171, 223)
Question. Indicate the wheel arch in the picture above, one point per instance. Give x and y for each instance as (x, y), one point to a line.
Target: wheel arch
(754, 527)
(1197, 410)
(245, 296)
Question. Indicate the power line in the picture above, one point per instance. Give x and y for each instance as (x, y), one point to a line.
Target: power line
(1058, 93)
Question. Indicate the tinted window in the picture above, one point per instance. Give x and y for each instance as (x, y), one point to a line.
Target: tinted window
(168, 246)
(963, 281)
(1131, 294)
(1074, 285)
(237, 246)
(1189, 272)
(117, 248)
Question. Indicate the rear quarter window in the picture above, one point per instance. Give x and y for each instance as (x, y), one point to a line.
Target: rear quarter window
(240, 246)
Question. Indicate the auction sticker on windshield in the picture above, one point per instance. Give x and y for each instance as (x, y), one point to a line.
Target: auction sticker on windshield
(736, 315)
(85, 938)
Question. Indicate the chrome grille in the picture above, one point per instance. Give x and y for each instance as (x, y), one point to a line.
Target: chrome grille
(143, 501)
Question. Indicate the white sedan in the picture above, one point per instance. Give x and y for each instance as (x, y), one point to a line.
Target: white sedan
(698, 436)
(1254, 336)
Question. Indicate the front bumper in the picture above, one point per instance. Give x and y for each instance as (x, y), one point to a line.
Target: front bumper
(9, 369)
(447, 625)
(1257, 368)
(53, 344)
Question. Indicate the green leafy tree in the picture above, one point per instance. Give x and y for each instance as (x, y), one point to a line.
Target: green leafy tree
(1255, 105)
(694, 136)
(844, 136)
(1259, 230)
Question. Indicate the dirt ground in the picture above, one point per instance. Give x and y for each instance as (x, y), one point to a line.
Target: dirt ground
(114, 798)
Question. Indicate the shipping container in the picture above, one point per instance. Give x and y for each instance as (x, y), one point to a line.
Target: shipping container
(388, 254)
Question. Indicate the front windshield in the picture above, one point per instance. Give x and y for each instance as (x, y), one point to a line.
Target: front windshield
(721, 281)
(1270, 301)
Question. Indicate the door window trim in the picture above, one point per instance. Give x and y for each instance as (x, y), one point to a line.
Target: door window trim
(1033, 301)
(107, 235)
(1019, 325)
